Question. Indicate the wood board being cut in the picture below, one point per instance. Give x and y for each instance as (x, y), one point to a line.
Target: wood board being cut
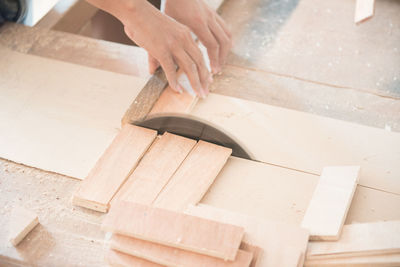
(50, 109)
(307, 142)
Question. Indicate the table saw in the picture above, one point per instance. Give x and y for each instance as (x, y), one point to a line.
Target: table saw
(303, 88)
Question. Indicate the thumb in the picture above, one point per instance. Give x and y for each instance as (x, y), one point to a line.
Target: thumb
(153, 63)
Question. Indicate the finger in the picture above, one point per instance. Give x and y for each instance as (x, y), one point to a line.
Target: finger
(168, 65)
(153, 64)
(194, 52)
(224, 26)
(223, 40)
(190, 68)
(209, 41)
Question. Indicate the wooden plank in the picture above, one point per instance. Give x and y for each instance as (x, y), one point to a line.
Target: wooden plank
(75, 109)
(316, 143)
(257, 253)
(364, 10)
(155, 169)
(176, 230)
(168, 256)
(192, 180)
(114, 167)
(117, 259)
(330, 202)
(387, 260)
(109, 56)
(359, 240)
(282, 244)
(173, 102)
(22, 221)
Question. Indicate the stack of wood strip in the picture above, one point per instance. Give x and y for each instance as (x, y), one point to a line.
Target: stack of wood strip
(172, 238)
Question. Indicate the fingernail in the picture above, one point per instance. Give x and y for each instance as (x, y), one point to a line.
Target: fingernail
(210, 79)
(180, 89)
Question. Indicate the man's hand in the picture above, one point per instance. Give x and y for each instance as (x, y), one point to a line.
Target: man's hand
(206, 24)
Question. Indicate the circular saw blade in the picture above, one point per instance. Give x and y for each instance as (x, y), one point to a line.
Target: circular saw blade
(194, 128)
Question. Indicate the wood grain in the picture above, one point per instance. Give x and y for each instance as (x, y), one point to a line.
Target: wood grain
(364, 10)
(174, 229)
(22, 221)
(317, 141)
(113, 168)
(364, 239)
(173, 102)
(392, 260)
(194, 177)
(118, 259)
(330, 202)
(282, 244)
(155, 169)
(61, 122)
(169, 256)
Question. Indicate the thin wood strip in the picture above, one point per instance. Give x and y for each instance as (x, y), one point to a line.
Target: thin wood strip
(174, 229)
(361, 261)
(330, 202)
(118, 259)
(113, 168)
(169, 256)
(173, 102)
(359, 240)
(256, 251)
(22, 221)
(155, 169)
(282, 244)
(194, 177)
(364, 10)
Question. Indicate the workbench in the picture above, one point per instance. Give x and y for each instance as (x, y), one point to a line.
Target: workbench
(305, 55)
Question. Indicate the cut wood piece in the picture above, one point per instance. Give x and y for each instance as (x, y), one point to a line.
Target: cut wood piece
(173, 102)
(169, 256)
(114, 167)
(155, 169)
(330, 202)
(193, 178)
(362, 239)
(118, 259)
(22, 221)
(256, 251)
(174, 229)
(386, 260)
(364, 10)
(282, 244)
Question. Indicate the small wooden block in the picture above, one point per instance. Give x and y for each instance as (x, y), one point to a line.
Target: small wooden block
(174, 229)
(114, 167)
(168, 256)
(330, 202)
(362, 239)
(22, 221)
(194, 177)
(364, 10)
(118, 259)
(173, 102)
(283, 245)
(155, 169)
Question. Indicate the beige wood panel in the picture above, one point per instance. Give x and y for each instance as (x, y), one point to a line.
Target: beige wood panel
(307, 142)
(114, 167)
(387, 260)
(155, 169)
(364, 10)
(330, 202)
(194, 177)
(359, 240)
(282, 244)
(248, 187)
(58, 116)
(176, 230)
(169, 256)
(173, 102)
